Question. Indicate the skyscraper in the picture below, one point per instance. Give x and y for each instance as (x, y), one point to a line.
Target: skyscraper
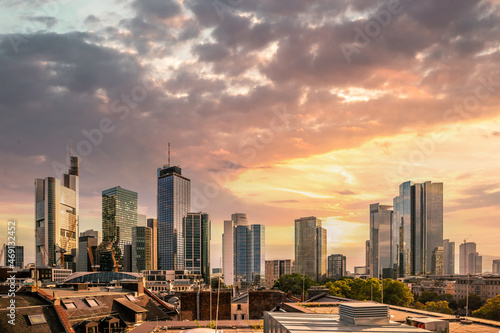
(153, 224)
(56, 217)
(119, 215)
(495, 269)
(310, 248)
(380, 241)
(14, 256)
(417, 227)
(470, 262)
(87, 254)
(197, 229)
(336, 266)
(367, 257)
(141, 248)
(174, 201)
(437, 261)
(243, 250)
(448, 257)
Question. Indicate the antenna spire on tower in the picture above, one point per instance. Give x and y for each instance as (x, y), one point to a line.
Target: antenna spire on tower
(169, 154)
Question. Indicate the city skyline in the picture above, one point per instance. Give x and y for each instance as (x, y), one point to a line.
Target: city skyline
(266, 112)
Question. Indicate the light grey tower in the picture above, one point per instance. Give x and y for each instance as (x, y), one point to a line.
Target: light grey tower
(417, 228)
(56, 218)
(470, 262)
(310, 248)
(380, 241)
(448, 257)
(174, 201)
(119, 216)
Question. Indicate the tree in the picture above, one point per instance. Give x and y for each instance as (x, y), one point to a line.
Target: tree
(294, 282)
(475, 302)
(427, 296)
(439, 306)
(490, 310)
(397, 293)
(214, 283)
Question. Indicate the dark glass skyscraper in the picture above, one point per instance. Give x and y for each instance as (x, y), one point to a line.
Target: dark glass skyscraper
(417, 227)
(174, 201)
(197, 244)
(119, 215)
(380, 240)
(310, 248)
(141, 248)
(336, 266)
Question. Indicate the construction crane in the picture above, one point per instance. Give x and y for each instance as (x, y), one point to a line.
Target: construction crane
(1, 254)
(91, 258)
(62, 251)
(114, 261)
(44, 247)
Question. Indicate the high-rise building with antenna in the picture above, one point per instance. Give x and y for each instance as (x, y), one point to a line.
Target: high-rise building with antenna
(56, 218)
(173, 203)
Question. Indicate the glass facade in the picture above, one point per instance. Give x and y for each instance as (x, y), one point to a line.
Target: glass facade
(174, 201)
(56, 217)
(197, 230)
(310, 248)
(380, 239)
(448, 257)
(417, 227)
(141, 248)
(119, 216)
(336, 266)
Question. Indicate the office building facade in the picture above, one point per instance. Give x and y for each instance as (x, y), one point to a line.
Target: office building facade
(243, 250)
(367, 257)
(380, 264)
(417, 227)
(495, 269)
(119, 216)
(141, 249)
(56, 218)
(310, 248)
(87, 254)
(336, 266)
(197, 236)
(153, 224)
(14, 256)
(470, 262)
(276, 268)
(173, 202)
(448, 257)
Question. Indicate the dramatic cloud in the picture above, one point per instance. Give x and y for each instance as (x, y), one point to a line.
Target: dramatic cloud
(279, 108)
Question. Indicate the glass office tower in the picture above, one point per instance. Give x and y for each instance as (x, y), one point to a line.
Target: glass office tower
(56, 218)
(417, 227)
(119, 216)
(380, 241)
(310, 248)
(197, 230)
(448, 257)
(174, 201)
(141, 249)
(336, 266)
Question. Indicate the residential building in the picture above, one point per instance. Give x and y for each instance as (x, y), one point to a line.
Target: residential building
(336, 266)
(470, 262)
(243, 250)
(141, 249)
(486, 286)
(14, 256)
(417, 228)
(276, 268)
(380, 241)
(119, 216)
(310, 248)
(56, 218)
(153, 224)
(197, 236)
(495, 269)
(448, 257)
(173, 203)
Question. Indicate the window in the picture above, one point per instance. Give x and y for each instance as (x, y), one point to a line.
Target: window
(69, 305)
(91, 302)
(37, 319)
(239, 307)
(235, 317)
(242, 317)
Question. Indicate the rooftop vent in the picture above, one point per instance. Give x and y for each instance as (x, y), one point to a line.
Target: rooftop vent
(364, 313)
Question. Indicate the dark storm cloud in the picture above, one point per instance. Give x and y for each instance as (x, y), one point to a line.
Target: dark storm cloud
(159, 9)
(48, 21)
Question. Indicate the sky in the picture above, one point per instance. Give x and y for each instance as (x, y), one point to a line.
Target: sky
(276, 108)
